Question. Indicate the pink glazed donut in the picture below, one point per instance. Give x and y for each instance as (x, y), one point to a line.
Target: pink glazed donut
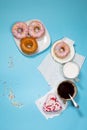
(20, 30)
(61, 50)
(36, 29)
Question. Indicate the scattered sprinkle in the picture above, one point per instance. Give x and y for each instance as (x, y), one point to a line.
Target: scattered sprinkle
(11, 95)
(17, 104)
(8, 92)
(11, 62)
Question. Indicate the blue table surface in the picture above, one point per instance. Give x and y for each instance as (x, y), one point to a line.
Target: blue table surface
(20, 74)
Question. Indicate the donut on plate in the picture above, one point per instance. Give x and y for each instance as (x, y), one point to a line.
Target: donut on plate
(28, 45)
(61, 49)
(36, 29)
(20, 30)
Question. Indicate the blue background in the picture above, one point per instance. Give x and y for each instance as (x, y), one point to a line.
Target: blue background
(62, 18)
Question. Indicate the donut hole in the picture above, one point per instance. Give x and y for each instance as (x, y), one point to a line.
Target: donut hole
(29, 45)
(37, 29)
(20, 30)
(62, 49)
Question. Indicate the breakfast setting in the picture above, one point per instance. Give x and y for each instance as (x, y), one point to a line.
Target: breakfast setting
(43, 60)
(31, 38)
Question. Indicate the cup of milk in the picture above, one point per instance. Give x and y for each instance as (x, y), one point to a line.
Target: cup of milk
(71, 70)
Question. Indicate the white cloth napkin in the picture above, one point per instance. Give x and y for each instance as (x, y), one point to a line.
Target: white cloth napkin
(52, 70)
(41, 101)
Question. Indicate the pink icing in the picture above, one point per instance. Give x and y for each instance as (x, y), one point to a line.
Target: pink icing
(36, 29)
(61, 50)
(20, 30)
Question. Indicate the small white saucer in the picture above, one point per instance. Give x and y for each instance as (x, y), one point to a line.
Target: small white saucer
(43, 42)
(66, 59)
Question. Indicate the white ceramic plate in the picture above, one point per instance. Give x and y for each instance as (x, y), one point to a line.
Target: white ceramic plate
(66, 59)
(43, 42)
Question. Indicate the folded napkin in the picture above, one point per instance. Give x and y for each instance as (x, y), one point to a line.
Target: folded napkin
(42, 100)
(52, 71)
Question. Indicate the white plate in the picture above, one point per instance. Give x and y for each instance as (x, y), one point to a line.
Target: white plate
(66, 59)
(43, 42)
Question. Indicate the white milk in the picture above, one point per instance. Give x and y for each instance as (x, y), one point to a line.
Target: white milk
(71, 70)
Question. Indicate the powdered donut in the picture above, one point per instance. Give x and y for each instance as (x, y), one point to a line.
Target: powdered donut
(36, 29)
(20, 30)
(61, 49)
(28, 45)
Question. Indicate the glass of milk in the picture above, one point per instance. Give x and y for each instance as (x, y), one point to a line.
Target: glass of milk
(71, 70)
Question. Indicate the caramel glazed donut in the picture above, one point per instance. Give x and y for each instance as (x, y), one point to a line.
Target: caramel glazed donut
(28, 45)
(36, 29)
(61, 50)
(20, 30)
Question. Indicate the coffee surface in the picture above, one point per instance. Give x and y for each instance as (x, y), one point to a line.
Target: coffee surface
(66, 88)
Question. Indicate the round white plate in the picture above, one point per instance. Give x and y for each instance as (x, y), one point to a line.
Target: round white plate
(66, 59)
(43, 42)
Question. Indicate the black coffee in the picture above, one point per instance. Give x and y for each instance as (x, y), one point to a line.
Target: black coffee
(65, 88)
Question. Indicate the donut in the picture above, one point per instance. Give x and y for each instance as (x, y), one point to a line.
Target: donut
(52, 104)
(20, 30)
(61, 50)
(36, 29)
(28, 45)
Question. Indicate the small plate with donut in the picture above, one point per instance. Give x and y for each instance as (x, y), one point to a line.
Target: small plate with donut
(31, 37)
(62, 51)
